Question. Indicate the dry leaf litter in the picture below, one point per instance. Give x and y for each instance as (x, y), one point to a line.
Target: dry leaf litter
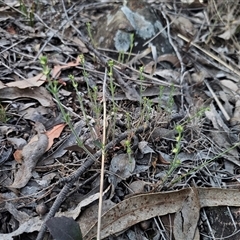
(175, 63)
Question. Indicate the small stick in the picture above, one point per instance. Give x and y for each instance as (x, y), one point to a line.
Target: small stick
(217, 101)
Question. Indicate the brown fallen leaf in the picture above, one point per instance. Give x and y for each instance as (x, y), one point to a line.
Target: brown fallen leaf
(90, 214)
(186, 203)
(36, 81)
(81, 46)
(183, 25)
(51, 134)
(54, 133)
(137, 209)
(161, 159)
(18, 155)
(61, 150)
(39, 93)
(57, 69)
(186, 219)
(30, 156)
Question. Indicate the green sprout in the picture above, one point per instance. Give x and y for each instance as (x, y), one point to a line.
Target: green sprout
(89, 30)
(131, 46)
(129, 150)
(28, 13)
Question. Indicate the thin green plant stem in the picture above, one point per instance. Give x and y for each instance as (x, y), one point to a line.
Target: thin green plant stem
(206, 163)
(103, 157)
(170, 99)
(143, 100)
(54, 89)
(89, 30)
(92, 94)
(145, 111)
(129, 149)
(112, 91)
(128, 118)
(66, 118)
(141, 77)
(175, 162)
(161, 89)
(128, 141)
(3, 114)
(179, 128)
(131, 46)
(80, 99)
(121, 56)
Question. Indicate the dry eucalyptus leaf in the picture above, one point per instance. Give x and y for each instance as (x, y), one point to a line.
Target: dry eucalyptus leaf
(74, 213)
(136, 209)
(222, 140)
(144, 148)
(159, 133)
(33, 113)
(163, 58)
(81, 46)
(70, 141)
(33, 224)
(227, 106)
(54, 133)
(216, 119)
(17, 142)
(20, 216)
(230, 84)
(145, 206)
(186, 219)
(184, 25)
(39, 93)
(30, 156)
(58, 68)
(36, 81)
(169, 74)
(212, 197)
(122, 167)
(138, 186)
(90, 214)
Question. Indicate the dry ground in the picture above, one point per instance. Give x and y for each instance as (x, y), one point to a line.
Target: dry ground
(168, 122)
